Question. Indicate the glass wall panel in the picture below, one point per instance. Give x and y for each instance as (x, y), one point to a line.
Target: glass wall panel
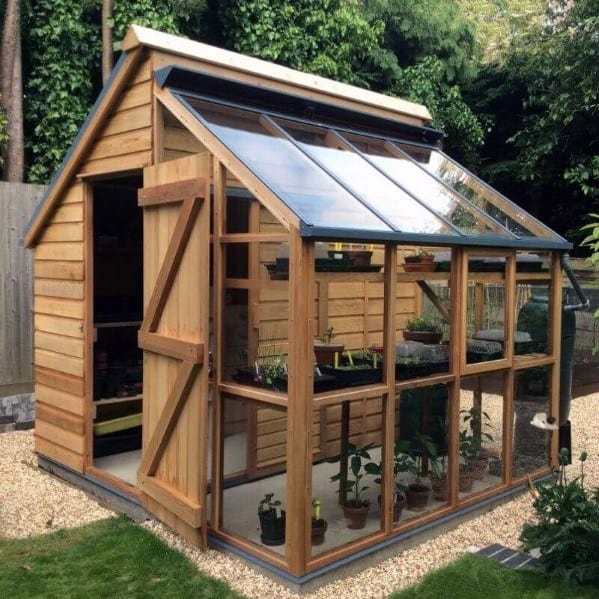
(481, 433)
(424, 308)
(348, 315)
(497, 207)
(485, 316)
(345, 490)
(312, 194)
(401, 169)
(363, 179)
(420, 450)
(532, 304)
(254, 455)
(531, 450)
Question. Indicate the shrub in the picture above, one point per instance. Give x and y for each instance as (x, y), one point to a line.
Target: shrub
(567, 531)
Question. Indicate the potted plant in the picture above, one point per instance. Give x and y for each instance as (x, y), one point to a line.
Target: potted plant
(418, 493)
(355, 507)
(401, 463)
(471, 439)
(325, 350)
(358, 371)
(420, 261)
(272, 521)
(423, 329)
(357, 253)
(438, 475)
(319, 524)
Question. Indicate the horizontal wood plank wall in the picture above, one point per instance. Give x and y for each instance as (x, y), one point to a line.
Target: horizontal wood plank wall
(178, 142)
(125, 142)
(59, 296)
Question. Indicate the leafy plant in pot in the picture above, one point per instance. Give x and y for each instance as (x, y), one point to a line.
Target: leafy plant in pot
(418, 493)
(438, 475)
(401, 463)
(325, 349)
(319, 524)
(355, 508)
(272, 521)
(423, 329)
(471, 439)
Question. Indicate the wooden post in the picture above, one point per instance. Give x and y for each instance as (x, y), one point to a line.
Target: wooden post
(389, 318)
(457, 353)
(219, 175)
(300, 396)
(555, 341)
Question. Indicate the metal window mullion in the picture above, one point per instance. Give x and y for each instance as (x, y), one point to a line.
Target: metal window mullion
(277, 128)
(489, 220)
(365, 157)
(499, 194)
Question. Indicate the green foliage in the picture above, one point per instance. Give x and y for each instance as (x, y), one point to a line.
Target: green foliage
(161, 15)
(425, 83)
(558, 139)
(475, 577)
(326, 37)
(567, 531)
(63, 46)
(111, 558)
(354, 486)
(402, 462)
(423, 324)
(417, 30)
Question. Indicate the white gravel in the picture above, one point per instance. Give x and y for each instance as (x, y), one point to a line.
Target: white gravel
(33, 502)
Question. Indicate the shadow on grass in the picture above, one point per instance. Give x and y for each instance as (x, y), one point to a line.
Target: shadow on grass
(477, 577)
(110, 558)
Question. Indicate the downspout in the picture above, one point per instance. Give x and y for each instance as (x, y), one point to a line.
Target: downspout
(584, 302)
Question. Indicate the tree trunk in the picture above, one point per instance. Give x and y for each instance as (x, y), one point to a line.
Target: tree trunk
(11, 88)
(107, 57)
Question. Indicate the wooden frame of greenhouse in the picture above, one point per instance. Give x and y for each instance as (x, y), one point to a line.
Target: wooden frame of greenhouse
(215, 216)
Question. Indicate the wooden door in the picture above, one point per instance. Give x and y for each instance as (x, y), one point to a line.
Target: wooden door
(175, 201)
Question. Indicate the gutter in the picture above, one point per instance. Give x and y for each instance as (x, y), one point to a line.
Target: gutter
(584, 301)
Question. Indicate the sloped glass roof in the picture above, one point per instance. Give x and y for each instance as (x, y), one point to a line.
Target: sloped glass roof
(350, 184)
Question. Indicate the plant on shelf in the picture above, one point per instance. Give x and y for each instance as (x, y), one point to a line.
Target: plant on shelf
(423, 329)
(438, 474)
(566, 527)
(272, 520)
(477, 426)
(401, 464)
(420, 261)
(418, 493)
(327, 351)
(272, 369)
(355, 507)
(319, 524)
(419, 255)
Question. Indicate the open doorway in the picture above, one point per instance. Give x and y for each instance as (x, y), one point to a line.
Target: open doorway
(117, 313)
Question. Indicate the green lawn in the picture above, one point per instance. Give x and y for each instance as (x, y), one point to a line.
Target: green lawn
(475, 577)
(111, 558)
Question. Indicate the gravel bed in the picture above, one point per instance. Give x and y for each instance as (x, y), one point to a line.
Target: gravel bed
(32, 502)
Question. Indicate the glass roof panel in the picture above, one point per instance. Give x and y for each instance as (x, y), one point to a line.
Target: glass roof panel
(501, 209)
(387, 199)
(309, 191)
(426, 188)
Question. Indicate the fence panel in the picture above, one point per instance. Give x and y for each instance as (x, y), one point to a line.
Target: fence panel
(17, 203)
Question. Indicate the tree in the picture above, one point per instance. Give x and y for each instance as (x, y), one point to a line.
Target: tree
(107, 54)
(331, 38)
(11, 91)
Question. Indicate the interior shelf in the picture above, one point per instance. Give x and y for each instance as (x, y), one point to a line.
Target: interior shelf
(117, 324)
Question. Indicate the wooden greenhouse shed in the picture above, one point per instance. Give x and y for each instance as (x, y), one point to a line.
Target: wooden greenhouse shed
(215, 216)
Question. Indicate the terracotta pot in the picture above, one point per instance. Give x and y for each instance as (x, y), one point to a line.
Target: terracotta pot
(399, 503)
(478, 467)
(319, 527)
(417, 496)
(466, 481)
(440, 487)
(325, 352)
(356, 515)
(430, 337)
(418, 258)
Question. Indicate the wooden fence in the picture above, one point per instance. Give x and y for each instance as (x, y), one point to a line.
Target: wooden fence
(17, 203)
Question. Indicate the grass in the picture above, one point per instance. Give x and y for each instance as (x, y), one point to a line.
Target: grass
(110, 558)
(473, 577)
